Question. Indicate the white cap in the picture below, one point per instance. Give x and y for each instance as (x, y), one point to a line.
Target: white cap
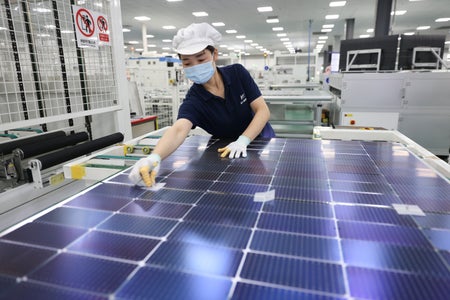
(195, 38)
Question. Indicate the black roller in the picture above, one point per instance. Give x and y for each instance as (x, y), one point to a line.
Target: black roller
(8, 147)
(55, 143)
(52, 159)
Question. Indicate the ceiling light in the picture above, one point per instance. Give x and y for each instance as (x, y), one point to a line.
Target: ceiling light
(281, 34)
(363, 36)
(272, 20)
(409, 33)
(331, 17)
(142, 18)
(41, 10)
(370, 30)
(442, 20)
(277, 28)
(139, 49)
(133, 42)
(326, 30)
(337, 3)
(248, 41)
(323, 37)
(125, 30)
(200, 14)
(284, 39)
(254, 44)
(328, 26)
(240, 36)
(398, 12)
(168, 27)
(62, 31)
(151, 46)
(149, 36)
(447, 42)
(218, 24)
(167, 41)
(264, 8)
(423, 27)
(174, 0)
(321, 42)
(231, 31)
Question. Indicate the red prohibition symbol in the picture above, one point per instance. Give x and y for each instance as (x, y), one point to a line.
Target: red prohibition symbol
(102, 24)
(85, 22)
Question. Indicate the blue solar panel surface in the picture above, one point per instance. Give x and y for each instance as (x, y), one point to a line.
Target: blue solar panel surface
(331, 231)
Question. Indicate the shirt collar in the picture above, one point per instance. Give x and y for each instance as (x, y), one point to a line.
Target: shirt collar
(204, 94)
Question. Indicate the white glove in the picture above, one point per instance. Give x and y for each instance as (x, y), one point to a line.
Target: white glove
(144, 170)
(236, 148)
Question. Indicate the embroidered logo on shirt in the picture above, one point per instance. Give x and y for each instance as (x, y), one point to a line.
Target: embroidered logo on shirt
(243, 99)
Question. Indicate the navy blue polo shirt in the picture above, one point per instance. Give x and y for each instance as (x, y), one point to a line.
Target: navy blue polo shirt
(224, 118)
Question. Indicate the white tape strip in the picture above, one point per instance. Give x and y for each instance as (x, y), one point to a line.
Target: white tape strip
(264, 196)
(156, 186)
(406, 209)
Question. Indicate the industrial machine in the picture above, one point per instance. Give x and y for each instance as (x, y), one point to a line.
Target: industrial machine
(412, 102)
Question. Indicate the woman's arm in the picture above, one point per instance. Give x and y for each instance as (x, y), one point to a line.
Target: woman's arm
(260, 119)
(173, 138)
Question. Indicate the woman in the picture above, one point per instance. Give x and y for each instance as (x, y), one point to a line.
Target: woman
(225, 102)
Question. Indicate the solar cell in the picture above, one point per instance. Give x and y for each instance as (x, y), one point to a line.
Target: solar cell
(294, 272)
(197, 258)
(330, 232)
(383, 284)
(424, 261)
(156, 209)
(163, 284)
(19, 260)
(83, 272)
(42, 234)
(114, 245)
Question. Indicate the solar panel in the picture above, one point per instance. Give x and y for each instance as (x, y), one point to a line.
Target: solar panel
(330, 232)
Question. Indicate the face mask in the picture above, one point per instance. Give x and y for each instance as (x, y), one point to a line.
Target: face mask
(200, 73)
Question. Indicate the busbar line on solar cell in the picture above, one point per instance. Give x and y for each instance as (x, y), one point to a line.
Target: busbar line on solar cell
(379, 215)
(241, 202)
(368, 178)
(156, 209)
(298, 208)
(362, 187)
(399, 235)
(365, 198)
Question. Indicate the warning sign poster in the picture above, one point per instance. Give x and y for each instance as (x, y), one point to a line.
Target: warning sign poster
(92, 28)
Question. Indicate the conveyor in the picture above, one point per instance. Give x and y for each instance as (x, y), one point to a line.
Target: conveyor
(329, 219)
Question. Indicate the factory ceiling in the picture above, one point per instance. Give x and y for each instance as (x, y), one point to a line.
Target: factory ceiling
(303, 22)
